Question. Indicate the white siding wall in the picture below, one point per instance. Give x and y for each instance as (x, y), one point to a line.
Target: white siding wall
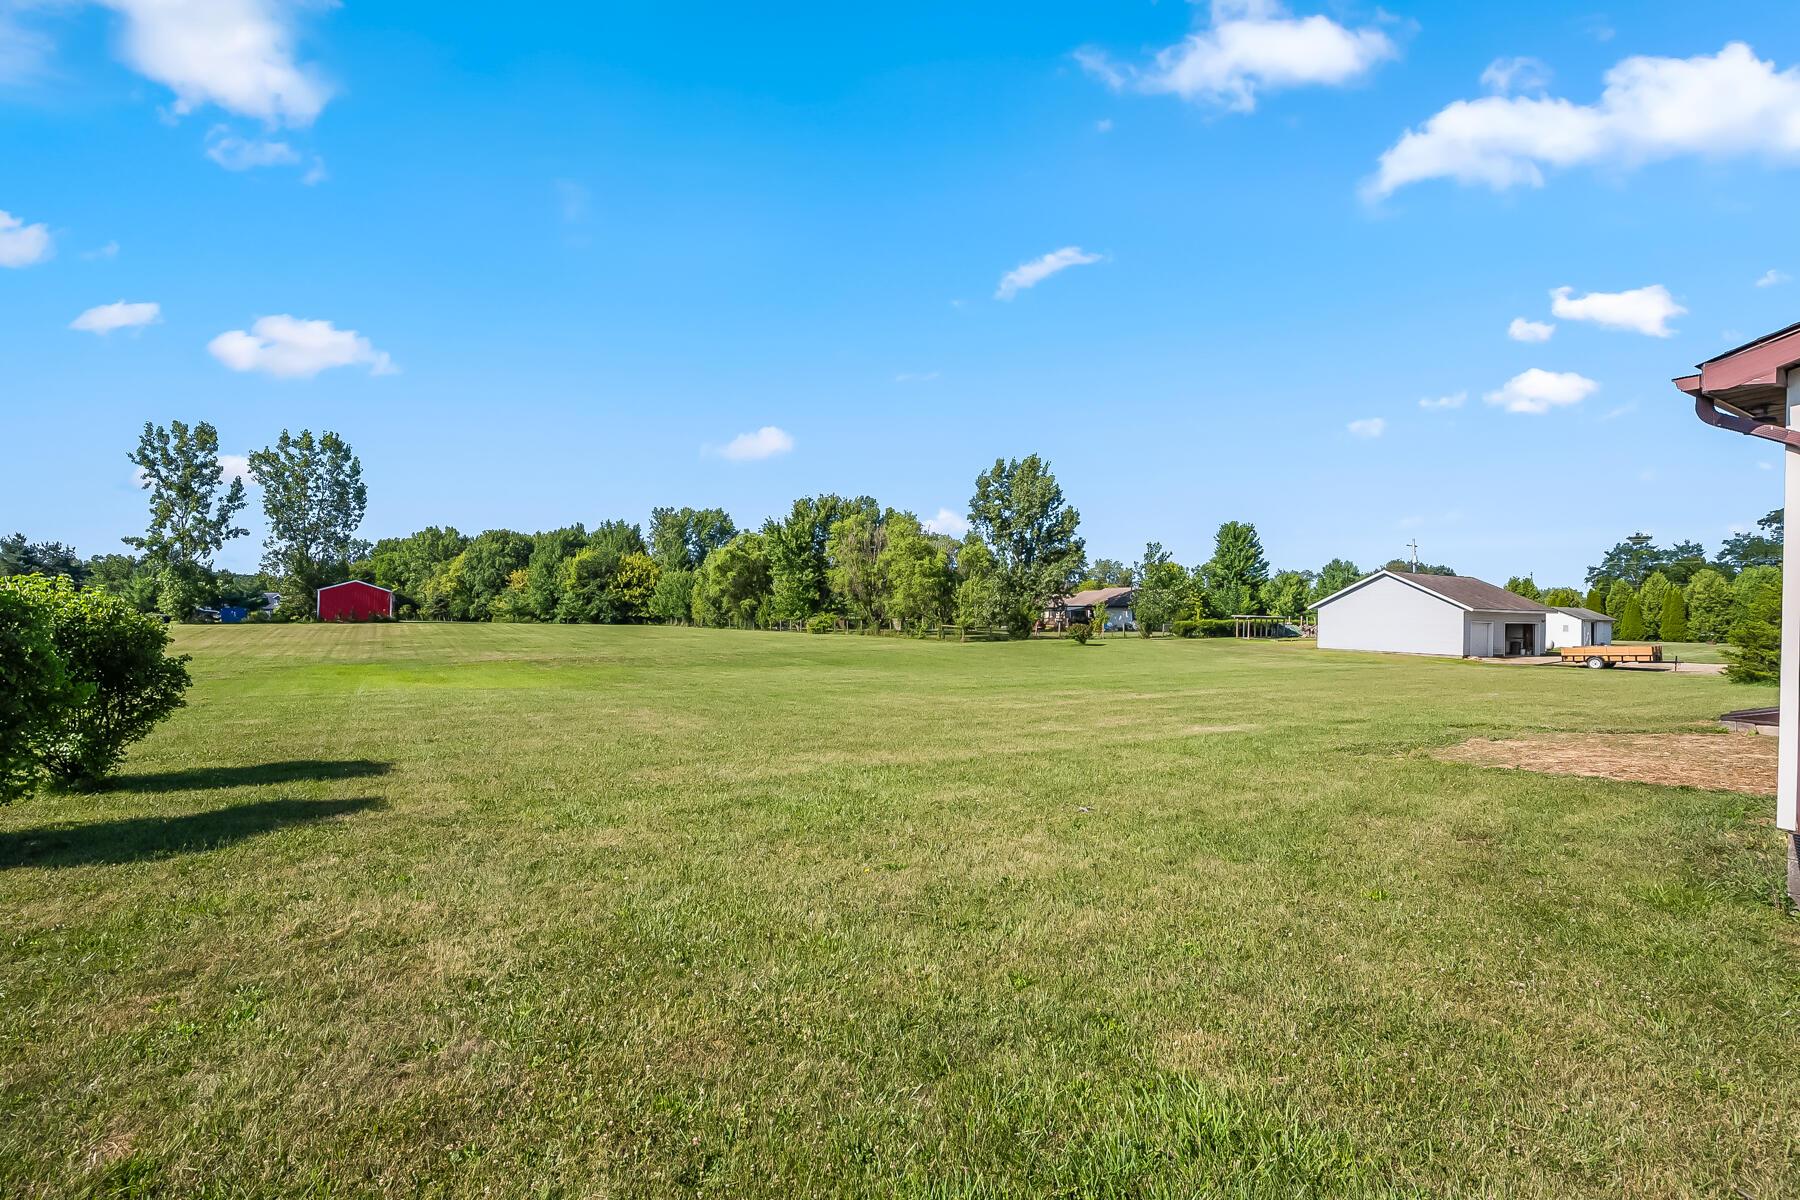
(1389, 615)
(1564, 630)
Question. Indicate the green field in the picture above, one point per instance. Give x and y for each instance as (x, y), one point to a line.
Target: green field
(572, 911)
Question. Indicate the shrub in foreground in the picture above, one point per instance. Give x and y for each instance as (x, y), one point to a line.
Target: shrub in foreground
(35, 692)
(1081, 631)
(117, 657)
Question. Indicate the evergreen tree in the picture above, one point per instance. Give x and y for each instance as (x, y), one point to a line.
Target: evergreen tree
(1235, 575)
(1596, 599)
(1755, 653)
(1651, 597)
(1631, 621)
(1617, 597)
(1709, 607)
(1562, 597)
(1674, 616)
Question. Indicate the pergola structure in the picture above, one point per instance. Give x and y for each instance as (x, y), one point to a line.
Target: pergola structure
(1257, 626)
(1755, 390)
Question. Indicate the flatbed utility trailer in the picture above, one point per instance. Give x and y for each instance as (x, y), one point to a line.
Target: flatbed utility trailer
(1607, 656)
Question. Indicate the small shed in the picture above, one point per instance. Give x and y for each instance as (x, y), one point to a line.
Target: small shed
(1453, 615)
(1575, 626)
(355, 600)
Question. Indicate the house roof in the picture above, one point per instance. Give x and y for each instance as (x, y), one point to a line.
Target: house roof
(1574, 610)
(1107, 596)
(1464, 591)
(1749, 378)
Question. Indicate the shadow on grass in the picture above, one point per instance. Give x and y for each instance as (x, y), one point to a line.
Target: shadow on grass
(137, 839)
(206, 778)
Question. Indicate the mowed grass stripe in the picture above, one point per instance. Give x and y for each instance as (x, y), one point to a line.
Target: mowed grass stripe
(521, 910)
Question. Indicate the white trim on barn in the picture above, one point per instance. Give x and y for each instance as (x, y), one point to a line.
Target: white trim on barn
(359, 583)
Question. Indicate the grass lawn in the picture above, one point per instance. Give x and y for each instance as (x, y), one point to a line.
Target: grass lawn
(507, 911)
(1694, 652)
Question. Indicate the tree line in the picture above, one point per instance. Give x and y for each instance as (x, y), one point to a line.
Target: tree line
(829, 559)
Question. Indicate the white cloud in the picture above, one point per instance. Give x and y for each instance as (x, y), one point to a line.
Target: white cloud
(235, 466)
(1453, 400)
(1772, 277)
(1617, 411)
(1505, 75)
(236, 153)
(1522, 330)
(1251, 46)
(1030, 274)
(236, 54)
(766, 442)
(105, 318)
(1368, 427)
(23, 52)
(1539, 391)
(22, 244)
(291, 348)
(1644, 310)
(1103, 125)
(949, 522)
(110, 250)
(315, 174)
(1730, 104)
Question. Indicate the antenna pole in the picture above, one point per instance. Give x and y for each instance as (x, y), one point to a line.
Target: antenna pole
(1414, 547)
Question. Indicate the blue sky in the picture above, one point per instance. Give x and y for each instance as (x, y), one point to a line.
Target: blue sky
(544, 266)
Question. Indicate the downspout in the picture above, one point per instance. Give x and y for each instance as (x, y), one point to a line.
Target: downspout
(1708, 411)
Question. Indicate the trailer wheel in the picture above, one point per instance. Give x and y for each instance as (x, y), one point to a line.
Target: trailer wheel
(1595, 662)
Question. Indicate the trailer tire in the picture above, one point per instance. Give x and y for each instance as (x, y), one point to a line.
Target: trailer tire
(1595, 662)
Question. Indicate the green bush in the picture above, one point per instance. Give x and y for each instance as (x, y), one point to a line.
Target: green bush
(117, 656)
(1081, 631)
(1205, 627)
(821, 623)
(36, 693)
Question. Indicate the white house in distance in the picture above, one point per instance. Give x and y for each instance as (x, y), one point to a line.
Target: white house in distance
(1114, 602)
(1576, 627)
(1452, 615)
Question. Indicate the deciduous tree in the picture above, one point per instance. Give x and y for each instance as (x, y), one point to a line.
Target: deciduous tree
(1019, 511)
(314, 499)
(192, 509)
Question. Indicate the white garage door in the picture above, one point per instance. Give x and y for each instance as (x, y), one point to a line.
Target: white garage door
(1481, 638)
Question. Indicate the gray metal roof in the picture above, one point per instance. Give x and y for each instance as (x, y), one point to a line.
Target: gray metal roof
(1585, 614)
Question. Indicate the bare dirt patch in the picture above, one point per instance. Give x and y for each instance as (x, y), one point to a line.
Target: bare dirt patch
(1716, 762)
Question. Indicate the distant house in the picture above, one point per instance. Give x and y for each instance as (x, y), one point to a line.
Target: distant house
(1576, 627)
(1453, 615)
(1113, 604)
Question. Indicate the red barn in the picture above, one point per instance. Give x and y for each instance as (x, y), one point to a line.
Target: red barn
(354, 601)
